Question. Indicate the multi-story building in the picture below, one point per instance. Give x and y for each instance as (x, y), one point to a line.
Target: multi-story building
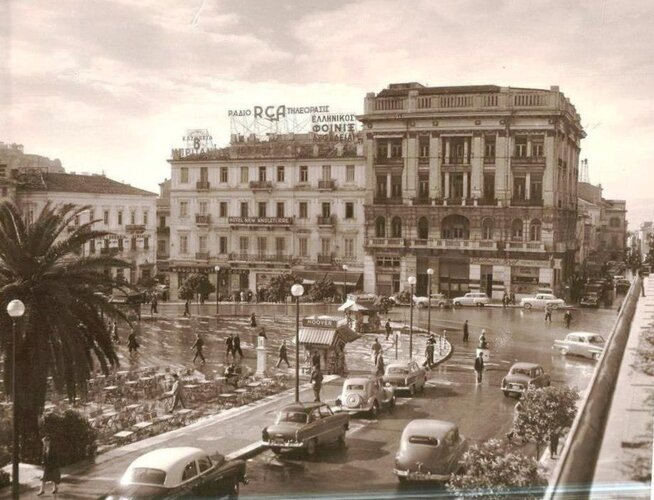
(259, 208)
(163, 228)
(644, 238)
(125, 211)
(478, 183)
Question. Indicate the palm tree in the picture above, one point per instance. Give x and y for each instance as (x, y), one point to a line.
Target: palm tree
(62, 333)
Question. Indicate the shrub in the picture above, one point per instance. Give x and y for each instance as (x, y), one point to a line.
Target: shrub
(5, 479)
(72, 436)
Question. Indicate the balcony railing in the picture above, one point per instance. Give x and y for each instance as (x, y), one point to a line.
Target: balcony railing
(385, 160)
(163, 230)
(456, 244)
(162, 255)
(259, 257)
(325, 258)
(202, 219)
(491, 202)
(110, 251)
(330, 220)
(201, 255)
(527, 160)
(525, 246)
(135, 228)
(533, 202)
(456, 160)
(386, 242)
(422, 200)
(203, 185)
(261, 185)
(327, 184)
(382, 200)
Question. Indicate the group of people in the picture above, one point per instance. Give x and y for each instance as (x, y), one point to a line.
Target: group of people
(508, 299)
(567, 316)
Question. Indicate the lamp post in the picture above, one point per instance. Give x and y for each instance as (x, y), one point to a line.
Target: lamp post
(412, 282)
(15, 309)
(297, 291)
(344, 282)
(217, 269)
(430, 272)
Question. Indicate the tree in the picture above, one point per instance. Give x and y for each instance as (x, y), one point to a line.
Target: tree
(279, 287)
(196, 286)
(543, 411)
(321, 290)
(62, 333)
(490, 470)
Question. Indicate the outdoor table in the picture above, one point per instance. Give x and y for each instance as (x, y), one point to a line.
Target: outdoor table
(191, 386)
(122, 373)
(253, 385)
(133, 407)
(110, 388)
(131, 383)
(227, 396)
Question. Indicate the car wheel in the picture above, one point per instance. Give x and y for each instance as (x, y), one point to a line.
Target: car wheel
(391, 404)
(596, 356)
(374, 411)
(506, 393)
(412, 390)
(276, 450)
(480, 304)
(527, 306)
(456, 304)
(235, 490)
(311, 448)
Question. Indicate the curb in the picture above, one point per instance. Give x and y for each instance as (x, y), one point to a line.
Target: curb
(246, 452)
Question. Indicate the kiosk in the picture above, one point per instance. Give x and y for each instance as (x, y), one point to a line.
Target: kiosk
(327, 336)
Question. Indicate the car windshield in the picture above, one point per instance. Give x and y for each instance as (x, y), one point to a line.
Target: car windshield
(397, 370)
(145, 475)
(596, 339)
(354, 387)
(521, 371)
(296, 417)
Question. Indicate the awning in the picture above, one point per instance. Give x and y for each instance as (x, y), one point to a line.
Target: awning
(352, 279)
(348, 303)
(355, 307)
(326, 336)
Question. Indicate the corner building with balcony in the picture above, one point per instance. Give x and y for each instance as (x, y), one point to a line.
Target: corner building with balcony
(478, 183)
(260, 208)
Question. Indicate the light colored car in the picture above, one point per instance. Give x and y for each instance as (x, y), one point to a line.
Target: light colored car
(406, 376)
(524, 375)
(430, 450)
(182, 472)
(478, 299)
(591, 299)
(586, 344)
(365, 394)
(437, 300)
(542, 300)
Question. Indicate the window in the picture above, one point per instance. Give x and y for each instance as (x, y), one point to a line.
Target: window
(262, 208)
(204, 174)
(396, 186)
(487, 229)
(183, 209)
(280, 173)
(244, 244)
(222, 244)
(349, 247)
(244, 209)
(162, 221)
(120, 244)
(146, 243)
(520, 146)
(145, 217)
(204, 464)
(519, 184)
(325, 246)
(161, 246)
(92, 246)
(326, 172)
(132, 217)
(349, 210)
(396, 227)
(423, 146)
(303, 247)
(223, 174)
(537, 150)
(380, 227)
(396, 149)
(262, 174)
(280, 245)
(203, 208)
(245, 175)
(489, 148)
(534, 230)
(423, 228)
(120, 217)
(190, 471)
(262, 245)
(614, 222)
(183, 174)
(516, 230)
(304, 211)
(183, 244)
(304, 173)
(105, 217)
(326, 209)
(280, 209)
(489, 186)
(202, 243)
(381, 187)
(423, 186)
(349, 173)
(133, 243)
(536, 187)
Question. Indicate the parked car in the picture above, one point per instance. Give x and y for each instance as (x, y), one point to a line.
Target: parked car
(591, 299)
(644, 270)
(622, 286)
(430, 450)
(617, 278)
(436, 299)
(307, 426)
(183, 472)
(542, 300)
(406, 376)
(586, 344)
(471, 299)
(367, 394)
(523, 375)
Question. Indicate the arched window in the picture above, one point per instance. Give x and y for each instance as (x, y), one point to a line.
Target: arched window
(380, 227)
(455, 227)
(516, 230)
(423, 228)
(487, 229)
(534, 230)
(396, 227)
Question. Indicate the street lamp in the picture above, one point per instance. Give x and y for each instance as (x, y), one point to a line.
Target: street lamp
(430, 272)
(297, 291)
(217, 269)
(412, 282)
(15, 309)
(344, 282)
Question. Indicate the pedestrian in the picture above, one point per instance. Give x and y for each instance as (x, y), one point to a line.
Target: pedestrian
(505, 300)
(262, 333)
(114, 332)
(229, 347)
(554, 442)
(466, 331)
(429, 352)
(315, 359)
(376, 350)
(283, 355)
(388, 328)
(187, 309)
(242, 295)
(316, 382)
(483, 344)
(513, 298)
(567, 318)
(231, 375)
(132, 343)
(642, 282)
(153, 306)
(379, 366)
(253, 321)
(237, 346)
(479, 367)
(177, 393)
(198, 345)
(548, 313)
(50, 462)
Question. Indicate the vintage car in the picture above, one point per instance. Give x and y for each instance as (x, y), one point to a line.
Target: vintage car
(305, 425)
(478, 299)
(367, 394)
(591, 299)
(430, 450)
(622, 286)
(183, 472)
(524, 375)
(406, 376)
(542, 300)
(437, 300)
(586, 344)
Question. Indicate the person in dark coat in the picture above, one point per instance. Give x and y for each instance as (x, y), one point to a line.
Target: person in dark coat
(153, 306)
(548, 313)
(132, 344)
(429, 352)
(376, 349)
(177, 393)
(479, 367)
(283, 355)
(316, 382)
(197, 346)
(237, 346)
(253, 320)
(229, 347)
(50, 462)
(187, 309)
(567, 318)
(315, 359)
(554, 443)
(388, 328)
(380, 368)
(466, 331)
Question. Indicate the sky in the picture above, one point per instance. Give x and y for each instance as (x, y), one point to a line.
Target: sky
(113, 85)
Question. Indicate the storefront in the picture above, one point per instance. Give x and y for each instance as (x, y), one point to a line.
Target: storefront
(326, 335)
(524, 280)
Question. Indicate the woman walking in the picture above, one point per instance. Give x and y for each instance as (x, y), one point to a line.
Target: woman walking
(50, 462)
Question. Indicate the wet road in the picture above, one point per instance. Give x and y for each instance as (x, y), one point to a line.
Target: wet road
(364, 468)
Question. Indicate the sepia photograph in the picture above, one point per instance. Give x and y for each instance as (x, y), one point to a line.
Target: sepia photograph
(346, 249)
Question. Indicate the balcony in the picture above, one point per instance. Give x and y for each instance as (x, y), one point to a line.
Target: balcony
(325, 258)
(525, 246)
(383, 200)
(454, 161)
(489, 160)
(386, 242)
(201, 255)
(385, 160)
(110, 252)
(325, 185)
(259, 257)
(533, 202)
(135, 228)
(422, 200)
(328, 221)
(517, 160)
(163, 230)
(261, 185)
(487, 202)
(261, 221)
(452, 244)
(420, 243)
(202, 219)
(162, 255)
(203, 185)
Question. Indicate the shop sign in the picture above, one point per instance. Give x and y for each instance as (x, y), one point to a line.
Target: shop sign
(320, 322)
(509, 262)
(524, 280)
(266, 221)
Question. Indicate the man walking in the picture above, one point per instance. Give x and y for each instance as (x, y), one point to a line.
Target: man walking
(316, 382)
(567, 318)
(229, 347)
(380, 367)
(153, 306)
(554, 443)
(114, 332)
(388, 328)
(283, 355)
(429, 352)
(479, 367)
(315, 359)
(376, 349)
(132, 344)
(237, 346)
(198, 345)
(177, 393)
(548, 313)
(466, 331)
(187, 309)
(253, 321)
